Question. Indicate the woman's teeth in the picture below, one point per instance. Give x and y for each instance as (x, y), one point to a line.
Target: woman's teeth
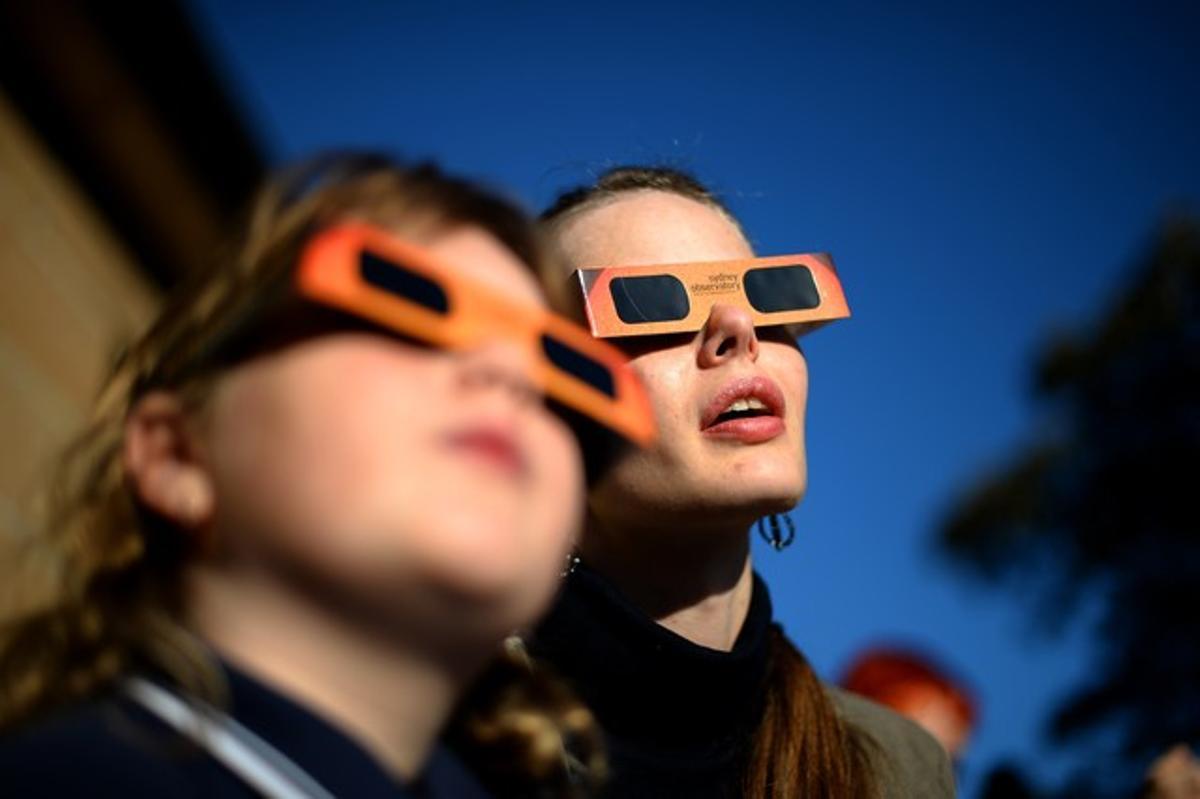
(743, 408)
(746, 404)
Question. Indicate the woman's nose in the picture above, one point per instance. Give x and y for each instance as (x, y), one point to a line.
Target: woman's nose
(728, 334)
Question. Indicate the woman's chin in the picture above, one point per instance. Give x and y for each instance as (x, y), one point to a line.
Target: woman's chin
(759, 491)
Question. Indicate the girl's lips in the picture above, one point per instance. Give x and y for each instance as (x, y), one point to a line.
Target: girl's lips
(493, 447)
(751, 429)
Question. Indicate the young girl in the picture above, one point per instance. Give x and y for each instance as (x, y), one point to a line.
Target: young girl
(312, 502)
(663, 626)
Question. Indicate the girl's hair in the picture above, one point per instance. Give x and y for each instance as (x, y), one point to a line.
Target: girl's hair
(96, 593)
(801, 747)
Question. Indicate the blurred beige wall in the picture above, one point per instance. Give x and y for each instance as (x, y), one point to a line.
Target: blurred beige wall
(70, 297)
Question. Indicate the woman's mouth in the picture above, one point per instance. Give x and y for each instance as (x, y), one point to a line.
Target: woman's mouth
(747, 410)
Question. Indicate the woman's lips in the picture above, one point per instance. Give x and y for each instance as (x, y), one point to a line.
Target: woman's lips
(749, 429)
(493, 447)
(753, 430)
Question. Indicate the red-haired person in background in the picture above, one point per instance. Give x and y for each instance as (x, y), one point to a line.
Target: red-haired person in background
(914, 686)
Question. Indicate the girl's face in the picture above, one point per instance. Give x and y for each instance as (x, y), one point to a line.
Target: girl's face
(398, 477)
(701, 469)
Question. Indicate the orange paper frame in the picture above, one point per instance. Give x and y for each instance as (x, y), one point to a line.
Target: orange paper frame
(707, 283)
(330, 272)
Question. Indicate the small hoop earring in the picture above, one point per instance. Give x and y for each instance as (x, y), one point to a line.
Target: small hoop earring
(570, 564)
(775, 537)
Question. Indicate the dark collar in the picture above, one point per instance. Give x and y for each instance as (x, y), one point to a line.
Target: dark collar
(332, 757)
(653, 690)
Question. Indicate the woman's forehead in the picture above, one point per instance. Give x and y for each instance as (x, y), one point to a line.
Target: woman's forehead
(650, 227)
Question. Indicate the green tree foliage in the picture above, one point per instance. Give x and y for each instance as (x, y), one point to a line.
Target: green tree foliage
(1106, 497)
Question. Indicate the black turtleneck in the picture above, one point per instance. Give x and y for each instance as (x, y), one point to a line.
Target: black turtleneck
(678, 717)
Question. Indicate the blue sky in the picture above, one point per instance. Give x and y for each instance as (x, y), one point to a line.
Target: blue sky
(983, 175)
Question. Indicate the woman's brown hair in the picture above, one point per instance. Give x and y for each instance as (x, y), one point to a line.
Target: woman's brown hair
(96, 594)
(802, 747)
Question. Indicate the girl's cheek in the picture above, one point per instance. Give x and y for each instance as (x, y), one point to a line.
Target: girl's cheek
(561, 469)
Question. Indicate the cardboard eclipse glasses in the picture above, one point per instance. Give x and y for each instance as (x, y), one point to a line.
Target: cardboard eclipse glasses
(377, 276)
(676, 298)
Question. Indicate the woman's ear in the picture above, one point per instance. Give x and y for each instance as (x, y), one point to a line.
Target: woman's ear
(161, 465)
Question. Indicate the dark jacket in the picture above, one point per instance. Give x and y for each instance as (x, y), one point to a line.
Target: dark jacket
(678, 717)
(115, 747)
(910, 764)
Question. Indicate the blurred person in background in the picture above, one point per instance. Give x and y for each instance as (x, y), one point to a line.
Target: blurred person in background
(1173, 775)
(915, 687)
(663, 626)
(312, 502)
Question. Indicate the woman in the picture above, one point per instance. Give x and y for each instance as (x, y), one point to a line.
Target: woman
(663, 627)
(312, 502)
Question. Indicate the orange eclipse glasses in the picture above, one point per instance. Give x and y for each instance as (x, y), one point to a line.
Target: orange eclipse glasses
(801, 290)
(379, 277)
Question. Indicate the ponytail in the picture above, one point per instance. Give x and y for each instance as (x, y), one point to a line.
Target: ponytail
(802, 748)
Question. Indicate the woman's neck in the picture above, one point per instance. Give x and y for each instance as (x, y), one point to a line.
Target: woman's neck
(390, 697)
(696, 585)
